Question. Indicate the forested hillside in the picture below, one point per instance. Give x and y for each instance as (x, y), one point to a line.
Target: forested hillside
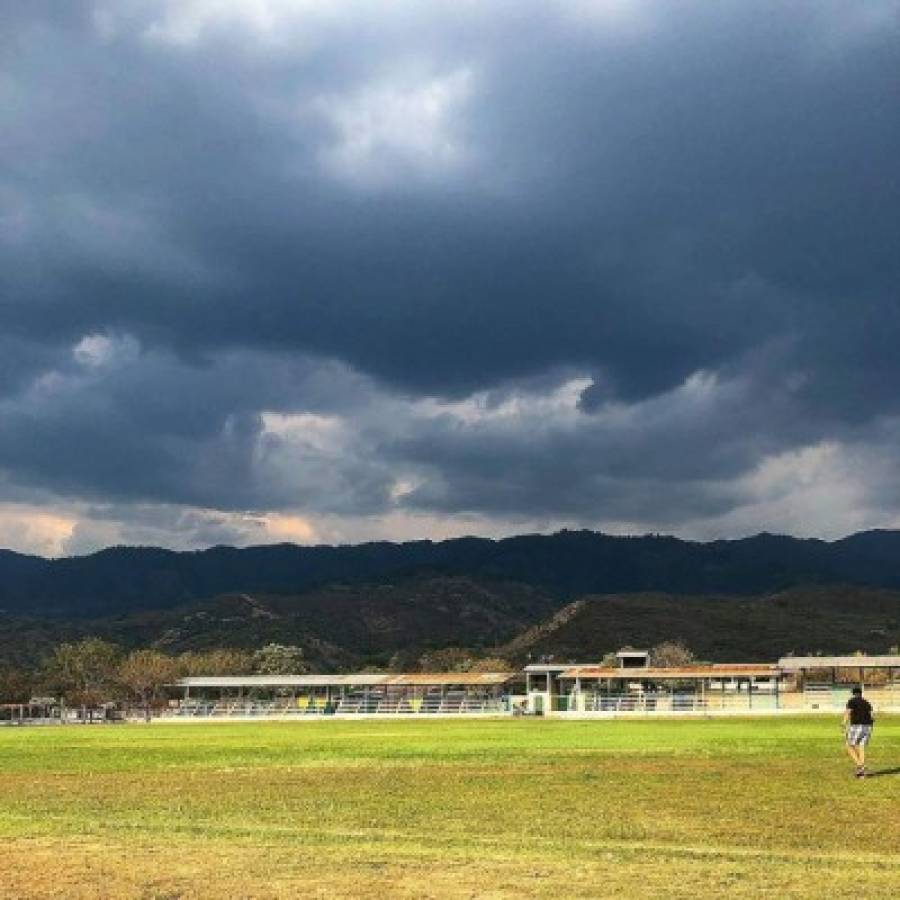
(395, 624)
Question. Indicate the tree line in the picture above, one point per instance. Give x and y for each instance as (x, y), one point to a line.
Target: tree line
(92, 672)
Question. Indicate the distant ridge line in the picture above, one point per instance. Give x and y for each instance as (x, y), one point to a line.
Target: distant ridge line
(567, 564)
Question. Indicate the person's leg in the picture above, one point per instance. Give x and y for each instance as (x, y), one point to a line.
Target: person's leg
(856, 751)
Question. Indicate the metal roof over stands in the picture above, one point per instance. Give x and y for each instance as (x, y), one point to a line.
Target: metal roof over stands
(796, 663)
(720, 670)
(356, 679)
(473, 679)
(266, 681)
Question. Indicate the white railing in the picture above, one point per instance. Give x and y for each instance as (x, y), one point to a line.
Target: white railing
(664, 703)
(824, 697)
(390, 704)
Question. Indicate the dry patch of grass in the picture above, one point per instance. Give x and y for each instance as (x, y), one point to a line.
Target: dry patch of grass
(87, 869)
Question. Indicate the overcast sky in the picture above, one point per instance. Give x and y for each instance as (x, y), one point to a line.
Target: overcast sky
(332, 271)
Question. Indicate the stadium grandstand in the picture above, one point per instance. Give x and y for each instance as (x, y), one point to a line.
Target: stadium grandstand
(360, 693)
(630, 687)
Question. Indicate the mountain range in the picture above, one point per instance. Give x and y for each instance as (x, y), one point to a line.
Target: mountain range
(567, 564)
(574, 594)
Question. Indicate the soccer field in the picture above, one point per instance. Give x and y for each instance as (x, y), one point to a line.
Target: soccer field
(440, 808)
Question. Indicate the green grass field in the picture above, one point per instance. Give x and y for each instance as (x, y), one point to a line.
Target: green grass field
(745, 808)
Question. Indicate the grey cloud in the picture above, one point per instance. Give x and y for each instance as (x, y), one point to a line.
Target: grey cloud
(628, 185)
(153, 428)
(541, 189)
(154, 526)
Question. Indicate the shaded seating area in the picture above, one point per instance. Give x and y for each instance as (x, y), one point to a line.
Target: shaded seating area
(682, 689)
(799, 684)
(824, 682)
(354, 694)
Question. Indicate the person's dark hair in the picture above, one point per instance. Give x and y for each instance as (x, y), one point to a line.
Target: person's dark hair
(857, 691)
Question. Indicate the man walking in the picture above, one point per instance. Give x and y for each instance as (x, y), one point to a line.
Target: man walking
(858, 716)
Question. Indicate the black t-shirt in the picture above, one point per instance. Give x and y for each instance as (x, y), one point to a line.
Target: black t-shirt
(860, 711)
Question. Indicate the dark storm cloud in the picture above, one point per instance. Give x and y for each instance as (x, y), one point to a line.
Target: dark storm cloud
(119, 423)
(641, 179)
(443, 201)
(672, 456)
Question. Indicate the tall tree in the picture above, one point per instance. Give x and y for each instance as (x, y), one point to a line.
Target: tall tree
(145, 673)
(84, 673)
(16, 685)
(279, 659)
(671, 655)
(216, 662)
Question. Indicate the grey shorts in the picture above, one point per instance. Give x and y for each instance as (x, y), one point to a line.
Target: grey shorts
(858, 735)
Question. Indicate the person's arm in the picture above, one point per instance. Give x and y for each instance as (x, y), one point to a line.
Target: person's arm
(846, 717)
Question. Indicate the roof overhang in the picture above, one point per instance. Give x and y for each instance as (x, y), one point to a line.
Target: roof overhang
(357, 679)
(719, 671)
(452, 679)
(796, 663)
